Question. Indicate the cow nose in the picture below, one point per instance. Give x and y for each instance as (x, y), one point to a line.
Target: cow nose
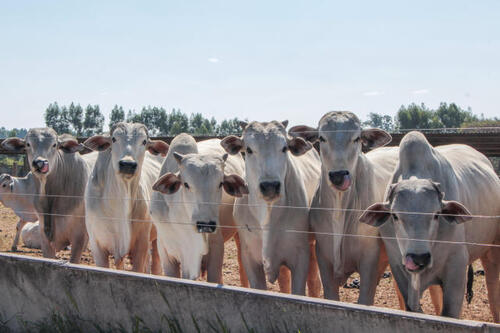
(419, 260)
(127, 166)
(206, 227)
(337, 177)
(270, 189)
(41, 165)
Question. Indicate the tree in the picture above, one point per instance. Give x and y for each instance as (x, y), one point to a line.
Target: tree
(229, 127)
(376, 120)
(52, 115)
(75, 117)
(178, 122)
(94, 120)
(117, 115)
(417, 117)
(452, 116)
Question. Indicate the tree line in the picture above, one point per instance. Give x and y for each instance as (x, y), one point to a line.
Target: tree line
(88, 121)
(416, 116)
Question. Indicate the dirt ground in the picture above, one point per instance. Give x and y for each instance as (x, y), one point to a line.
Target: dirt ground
(385, 296)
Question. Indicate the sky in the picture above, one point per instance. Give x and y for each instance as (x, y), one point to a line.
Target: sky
(255, 60)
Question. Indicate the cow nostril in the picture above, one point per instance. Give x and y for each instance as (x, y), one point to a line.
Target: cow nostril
(269, 188)
(206, 227)
(127, 166)
(421, 260)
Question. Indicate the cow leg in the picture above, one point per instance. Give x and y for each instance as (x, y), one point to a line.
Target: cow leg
(100, 255)
(78, 244)
(491, 274)
(252, 261)
(299, 270)
(369, 271)
(19, 227)
(284, 280)
(243, 274)
(215, 257)
(155, 258)
(139, 253)
(436, 293)
(454, 289)
(48, 250)
(313, 281)
(330, 286)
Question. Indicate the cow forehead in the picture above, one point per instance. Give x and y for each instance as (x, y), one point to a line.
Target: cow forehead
(340, 124)
(416, 196)
(202, 165)
(267, 134)
(130, 129)
(41, 135)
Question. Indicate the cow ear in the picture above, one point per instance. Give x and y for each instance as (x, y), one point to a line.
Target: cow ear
(15, 145)
(243, 124)
(375, 137)
(376, 215)
(455, 212)
(235, 185)
(306, 132)
(157, 147)
(69, 144)
(299, 146)
(98, 142)
(169, 183)
(178, 157)
(232, 144)
(284, 123)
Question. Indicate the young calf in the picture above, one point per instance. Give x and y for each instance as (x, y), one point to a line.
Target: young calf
(430, 231)
(118, 195)
(282, 174)
(17, 193)
(192, 213)
(60, 176)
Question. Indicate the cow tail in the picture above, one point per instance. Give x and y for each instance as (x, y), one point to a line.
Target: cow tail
(470, 280)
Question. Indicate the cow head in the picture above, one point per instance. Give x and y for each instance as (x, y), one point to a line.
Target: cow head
(416, 208)
(42, 146)
(6, 182)
(201, 177)
(267, 147)
(341, 140)
(128, 143)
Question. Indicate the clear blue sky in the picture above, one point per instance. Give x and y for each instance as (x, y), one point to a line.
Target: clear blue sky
(259, 60)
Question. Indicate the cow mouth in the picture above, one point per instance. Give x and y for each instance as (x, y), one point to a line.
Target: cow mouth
(345, 184)
(206, 227)
(42, 167)
(411, 266)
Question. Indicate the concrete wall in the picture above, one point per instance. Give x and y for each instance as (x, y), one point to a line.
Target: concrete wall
(32, 289)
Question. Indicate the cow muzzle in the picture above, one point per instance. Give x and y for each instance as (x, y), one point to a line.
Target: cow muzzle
(341, 180)
(417, 262)
(206, 227)
(41, 165)
(127, 167)
(270, 190)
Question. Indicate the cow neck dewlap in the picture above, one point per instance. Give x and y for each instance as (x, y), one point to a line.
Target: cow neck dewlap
(414, 292)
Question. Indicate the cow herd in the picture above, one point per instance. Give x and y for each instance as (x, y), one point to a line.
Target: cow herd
(301, 216)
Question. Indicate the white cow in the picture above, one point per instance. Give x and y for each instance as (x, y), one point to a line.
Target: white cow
(118, 194)
(192, 213)
(282, 174)
(30, 235)
(17, 193)
(430, 230)
(350, 181)
(60, 175)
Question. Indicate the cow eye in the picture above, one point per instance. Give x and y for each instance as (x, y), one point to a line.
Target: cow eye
(54, 145)
(395, 217)
(27, 144)
(249, 151)
(284, 149)
(186, 185)
(322, 139)
(221, 184)
(436, 216)
(144, 142)
(113, 139)
(357, 139)
(4, 185)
